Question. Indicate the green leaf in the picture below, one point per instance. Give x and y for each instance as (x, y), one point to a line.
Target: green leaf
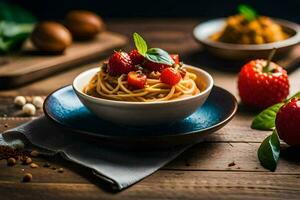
(14, 13)
(140, 44)
(16, 25)
(10, 29)
(248, 12)
(295, 95)
(158, 55)
(12, 35)
(268, 152)
(266, 119)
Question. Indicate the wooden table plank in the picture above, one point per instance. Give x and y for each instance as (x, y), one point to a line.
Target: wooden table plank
(219, 157)
(168, 185)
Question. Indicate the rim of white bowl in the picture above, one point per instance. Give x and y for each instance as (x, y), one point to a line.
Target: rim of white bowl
(293, 40)
(207, 90)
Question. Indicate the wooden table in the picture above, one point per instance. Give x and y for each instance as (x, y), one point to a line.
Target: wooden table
(202, 172)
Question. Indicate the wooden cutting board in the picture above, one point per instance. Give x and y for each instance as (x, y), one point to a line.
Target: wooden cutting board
(30, 65)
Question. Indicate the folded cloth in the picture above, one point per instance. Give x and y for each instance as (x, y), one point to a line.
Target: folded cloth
(119, 167)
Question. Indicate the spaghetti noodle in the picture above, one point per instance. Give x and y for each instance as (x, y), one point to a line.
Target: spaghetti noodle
(103, 85)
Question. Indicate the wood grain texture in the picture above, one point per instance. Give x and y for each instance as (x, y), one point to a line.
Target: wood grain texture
(47, 85)
(168, 185)
(31, 65)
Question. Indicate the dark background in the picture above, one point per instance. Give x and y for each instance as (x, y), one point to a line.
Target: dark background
(56, 9)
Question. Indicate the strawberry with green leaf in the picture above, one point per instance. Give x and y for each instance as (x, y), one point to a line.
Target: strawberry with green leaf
(156, 59)
(288, 122)
(284, 119)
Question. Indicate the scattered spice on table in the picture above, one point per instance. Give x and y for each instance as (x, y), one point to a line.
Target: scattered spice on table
(15, 156)
(27, 161)
(231, 164)
(33, 165)
(60, 170)
(8, 152)
(27, 177)
(34, 153)
(11, 162)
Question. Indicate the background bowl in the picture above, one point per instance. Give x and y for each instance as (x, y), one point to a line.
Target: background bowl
(143, 113)
(203, 31)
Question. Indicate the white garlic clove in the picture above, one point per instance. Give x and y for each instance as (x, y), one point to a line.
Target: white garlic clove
(20, 100)
(29, 109)
(38, 102)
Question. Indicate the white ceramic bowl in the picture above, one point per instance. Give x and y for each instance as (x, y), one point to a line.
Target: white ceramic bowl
(143, 113)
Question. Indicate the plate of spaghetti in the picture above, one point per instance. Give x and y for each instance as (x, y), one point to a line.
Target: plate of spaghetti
(143, 87)
(118, 88)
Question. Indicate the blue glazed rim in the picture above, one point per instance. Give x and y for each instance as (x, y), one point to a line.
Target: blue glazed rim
(168, 139)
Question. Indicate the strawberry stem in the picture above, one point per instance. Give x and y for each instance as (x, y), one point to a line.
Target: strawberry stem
(270, 57)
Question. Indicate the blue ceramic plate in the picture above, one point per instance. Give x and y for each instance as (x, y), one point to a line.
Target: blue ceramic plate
(64, 108)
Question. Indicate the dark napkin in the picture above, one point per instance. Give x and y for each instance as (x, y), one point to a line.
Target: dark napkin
(119, 167)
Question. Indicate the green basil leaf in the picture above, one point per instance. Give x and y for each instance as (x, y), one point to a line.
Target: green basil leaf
(10, 29)
(268, 152)
(295, 95)
(266, 119)
(140, 44)
(248, 12)
(12, 35)
(158, 55)
(16, 25)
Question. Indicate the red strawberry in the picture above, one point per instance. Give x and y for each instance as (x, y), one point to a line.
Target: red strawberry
(288, 122)
(170, 76)
(261, 86)
(136, 57)
(136, 79)
(119, 63)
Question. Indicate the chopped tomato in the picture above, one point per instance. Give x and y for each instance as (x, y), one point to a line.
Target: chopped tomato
(136, 79)
(170, 76)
